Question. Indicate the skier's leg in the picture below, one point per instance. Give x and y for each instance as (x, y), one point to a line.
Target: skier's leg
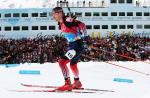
(75, 71)
(64, 68)
(67, 86)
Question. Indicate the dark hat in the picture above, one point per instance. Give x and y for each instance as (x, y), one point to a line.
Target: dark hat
(57, 9)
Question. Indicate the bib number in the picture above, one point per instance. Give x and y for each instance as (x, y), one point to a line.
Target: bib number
(70, 54)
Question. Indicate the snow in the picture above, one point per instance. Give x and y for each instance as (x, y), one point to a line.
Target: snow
(98, 75)
(5, 4)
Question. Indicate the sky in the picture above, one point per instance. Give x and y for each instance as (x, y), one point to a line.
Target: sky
(42, 3)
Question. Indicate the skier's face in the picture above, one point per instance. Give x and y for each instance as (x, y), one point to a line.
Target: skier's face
(58, 16)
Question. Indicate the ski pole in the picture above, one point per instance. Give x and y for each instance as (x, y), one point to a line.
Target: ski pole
(147, 74)
(128, 68)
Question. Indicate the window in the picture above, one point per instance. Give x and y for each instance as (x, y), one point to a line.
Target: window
(78, 14)
(138, 13)
(88, 27)
(122, 27)
(129, 13)
(25, 28)
(35, 27)
(146, 14)
(104, 14)
(96, 14)
(24, 14)
(87, 13)
(8, 15)
(96, 26)
(129, 1)
(129, 26)
(16, 28)
(0, 15)
(121, 1)
(34, 14)
(16, 15)
(51, 27)
(114, 27)
(113, 1)
(121, 13)
(146, 26)
(43, 27)
(7, 28)
(0, 28)
(104, 26)
(139, 26)
(113, 13)
(44, 14)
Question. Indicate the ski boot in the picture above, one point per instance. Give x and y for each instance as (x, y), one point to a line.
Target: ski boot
(77, 84)
(66, 87)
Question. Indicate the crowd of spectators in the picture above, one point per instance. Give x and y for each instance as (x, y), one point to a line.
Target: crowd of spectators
(119, 48)
(40, 50)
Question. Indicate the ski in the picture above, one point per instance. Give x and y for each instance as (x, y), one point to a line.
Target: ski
(53, 91)
(42, 86)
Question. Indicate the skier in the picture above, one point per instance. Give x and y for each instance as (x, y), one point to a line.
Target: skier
(74, 31)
